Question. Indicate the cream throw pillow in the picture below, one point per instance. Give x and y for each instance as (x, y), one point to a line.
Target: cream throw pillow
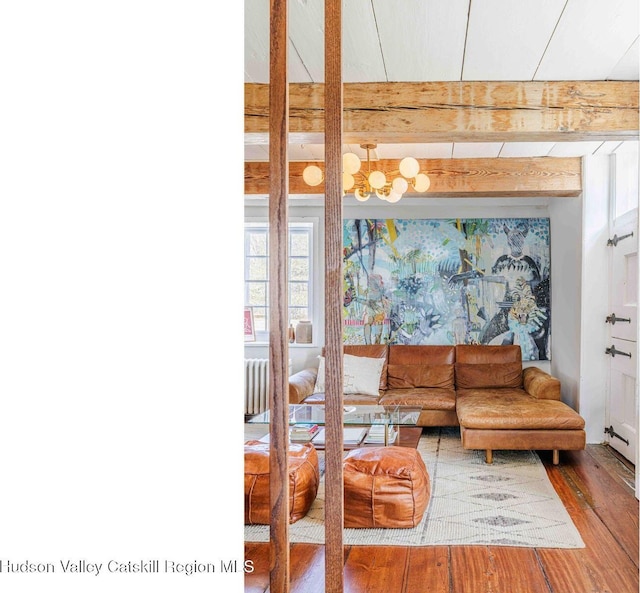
(361, 375)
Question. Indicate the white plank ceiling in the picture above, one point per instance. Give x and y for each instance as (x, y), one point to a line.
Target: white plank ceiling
(444, 40)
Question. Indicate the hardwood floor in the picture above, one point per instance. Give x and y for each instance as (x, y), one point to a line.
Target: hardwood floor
(596, 487)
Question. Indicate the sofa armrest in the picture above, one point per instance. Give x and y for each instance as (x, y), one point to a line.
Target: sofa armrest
(301, 385)
(540, 384)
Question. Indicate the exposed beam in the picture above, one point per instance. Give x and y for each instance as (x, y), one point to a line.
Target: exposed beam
(399, 112)
(457, 178)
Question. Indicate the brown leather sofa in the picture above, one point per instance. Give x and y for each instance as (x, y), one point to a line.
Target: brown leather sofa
(483, 389)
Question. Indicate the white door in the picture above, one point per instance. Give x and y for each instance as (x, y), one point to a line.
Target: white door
(622, 420)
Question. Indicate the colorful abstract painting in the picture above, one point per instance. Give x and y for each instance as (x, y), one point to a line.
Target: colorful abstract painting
(448, 281)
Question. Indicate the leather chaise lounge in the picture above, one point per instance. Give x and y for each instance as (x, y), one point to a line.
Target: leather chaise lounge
(502, 406)
(483, 389)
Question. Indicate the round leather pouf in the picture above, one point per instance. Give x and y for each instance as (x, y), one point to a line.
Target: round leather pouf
(304, 477)
(385, 487)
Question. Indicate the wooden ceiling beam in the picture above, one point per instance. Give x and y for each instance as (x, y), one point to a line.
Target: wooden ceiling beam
(456, 178)
(400, 112)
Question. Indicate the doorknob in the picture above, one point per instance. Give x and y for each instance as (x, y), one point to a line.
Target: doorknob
(613, 351)
(612, 319)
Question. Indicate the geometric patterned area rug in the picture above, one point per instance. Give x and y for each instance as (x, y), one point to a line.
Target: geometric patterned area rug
(508, 503)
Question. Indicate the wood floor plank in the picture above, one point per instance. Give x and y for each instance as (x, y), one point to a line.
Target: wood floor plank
(258, 580)
(428, 570)
(568, 492)
(610, 500)
(568, 572)
(621, 470)
(601, 566)
(606, 564)
(307, 568)
(482, 569)
(376, 569)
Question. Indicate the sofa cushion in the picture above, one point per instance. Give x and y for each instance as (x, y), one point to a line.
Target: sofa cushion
(513, 409)
(427, 398)
(361, 375)
(369, 351)
(480, 354)
(424, 354)
(488, 375)
(420, 366)
(401, 376)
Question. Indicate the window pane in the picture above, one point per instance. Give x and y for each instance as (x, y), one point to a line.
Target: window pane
(258, 268)
(299, 294)
(260, 319)
(297, 314)
(256, 265)
(299, 244)
(257, 294)
(257, 243)
(626, 197)
(299, 269)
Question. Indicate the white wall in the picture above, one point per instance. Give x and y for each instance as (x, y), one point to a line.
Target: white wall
(566, 274)
(594, 364)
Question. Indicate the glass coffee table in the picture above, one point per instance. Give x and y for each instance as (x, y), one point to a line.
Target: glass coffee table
(364, 425)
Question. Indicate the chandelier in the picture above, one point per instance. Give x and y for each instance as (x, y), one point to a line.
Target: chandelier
(389, 187)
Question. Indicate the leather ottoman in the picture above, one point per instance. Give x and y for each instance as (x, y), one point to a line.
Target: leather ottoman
(385, 487)
(304, 477)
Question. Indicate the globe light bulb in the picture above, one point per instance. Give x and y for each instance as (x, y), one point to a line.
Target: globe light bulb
(348, 181)
(377, 179)
(350, 163)
(360, 196)
(312, 175)
(399, 185)
(393, 197)
(409, 167)
(422, 183)
(381, 195)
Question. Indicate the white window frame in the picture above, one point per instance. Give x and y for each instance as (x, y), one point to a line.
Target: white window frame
(305, 224)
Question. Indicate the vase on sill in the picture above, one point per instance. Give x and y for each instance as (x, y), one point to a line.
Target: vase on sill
(303, 332)
(292, 334)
